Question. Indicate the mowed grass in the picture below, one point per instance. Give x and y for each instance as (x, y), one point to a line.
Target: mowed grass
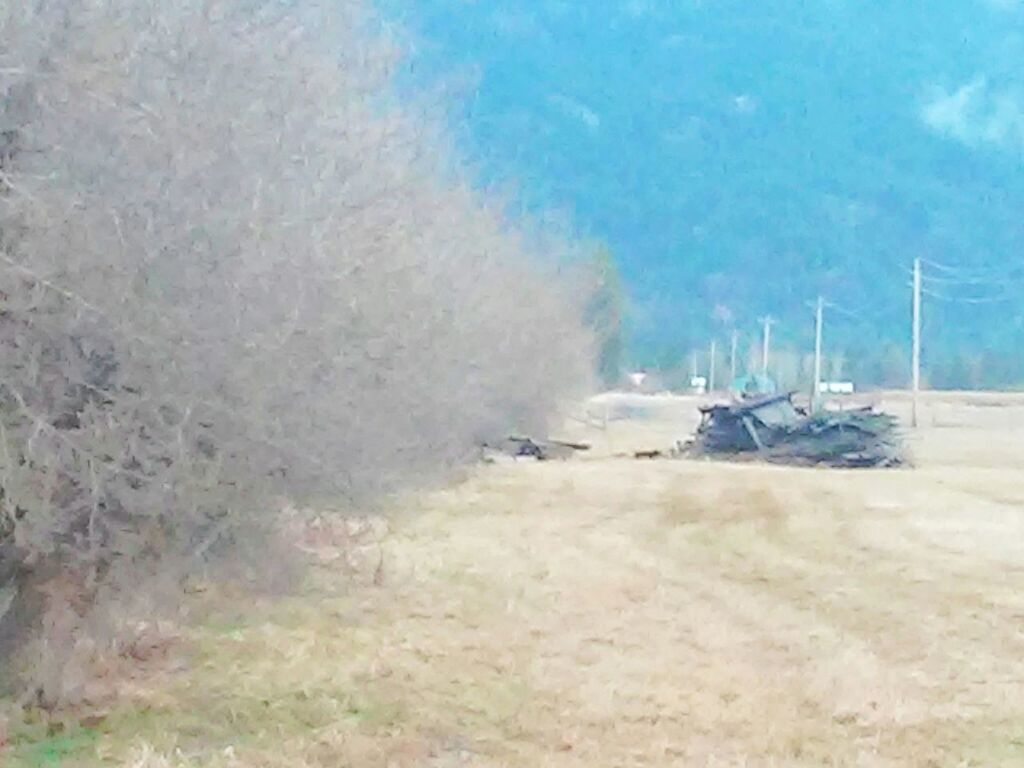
(613, 612)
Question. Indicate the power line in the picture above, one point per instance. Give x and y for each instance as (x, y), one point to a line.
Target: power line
(964, 273)
(957, 282)
(852, 314)
(966, 299)
(947, 279)
(766, 342)
(992, 299)
(732, 355)
(916, 342)
(818, 320)
(950, 268)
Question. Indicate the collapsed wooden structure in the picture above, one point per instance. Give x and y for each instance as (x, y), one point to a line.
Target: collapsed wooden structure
(773, 429)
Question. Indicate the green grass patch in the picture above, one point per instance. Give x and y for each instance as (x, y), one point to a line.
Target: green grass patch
(36, 746)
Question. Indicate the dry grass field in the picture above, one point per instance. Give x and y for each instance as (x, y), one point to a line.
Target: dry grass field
(613, 612)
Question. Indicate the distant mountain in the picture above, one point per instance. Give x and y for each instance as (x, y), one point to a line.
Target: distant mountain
(739, 158)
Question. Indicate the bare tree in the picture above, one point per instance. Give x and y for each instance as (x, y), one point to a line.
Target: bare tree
(234, 268)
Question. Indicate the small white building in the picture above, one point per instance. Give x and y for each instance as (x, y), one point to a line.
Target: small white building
(835, 387)
(637, 379)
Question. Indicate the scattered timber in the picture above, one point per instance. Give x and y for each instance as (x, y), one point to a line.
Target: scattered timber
(540, 450)
(652, 454)
(773, 429)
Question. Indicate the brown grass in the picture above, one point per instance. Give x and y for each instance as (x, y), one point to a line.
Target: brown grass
(611, 612)
(685, 503)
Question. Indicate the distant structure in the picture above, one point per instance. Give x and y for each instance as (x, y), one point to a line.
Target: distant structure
(835, 387)
(637, 379)
(698, 385)
(753, 385)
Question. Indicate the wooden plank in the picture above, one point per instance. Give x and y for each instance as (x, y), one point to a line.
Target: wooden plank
(749, 425)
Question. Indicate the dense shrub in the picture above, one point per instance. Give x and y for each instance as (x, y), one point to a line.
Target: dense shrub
(234, 269)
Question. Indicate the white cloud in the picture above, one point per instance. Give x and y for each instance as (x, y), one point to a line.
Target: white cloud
(744, 103)
(978, 115)
(578, 110)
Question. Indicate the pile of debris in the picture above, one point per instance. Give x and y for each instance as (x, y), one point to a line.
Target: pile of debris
(541, 450)
(773, 429)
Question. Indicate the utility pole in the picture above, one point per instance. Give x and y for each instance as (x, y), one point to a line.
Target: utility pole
(693, 365)
(917, 342)
(766, 343)
(711, 365)
(732, 357)
(815, 393)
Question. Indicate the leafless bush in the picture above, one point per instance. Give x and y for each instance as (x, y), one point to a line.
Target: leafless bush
(233, 269)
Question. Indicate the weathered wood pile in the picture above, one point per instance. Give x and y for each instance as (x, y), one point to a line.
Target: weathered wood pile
(541, 450)
(773, 429)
